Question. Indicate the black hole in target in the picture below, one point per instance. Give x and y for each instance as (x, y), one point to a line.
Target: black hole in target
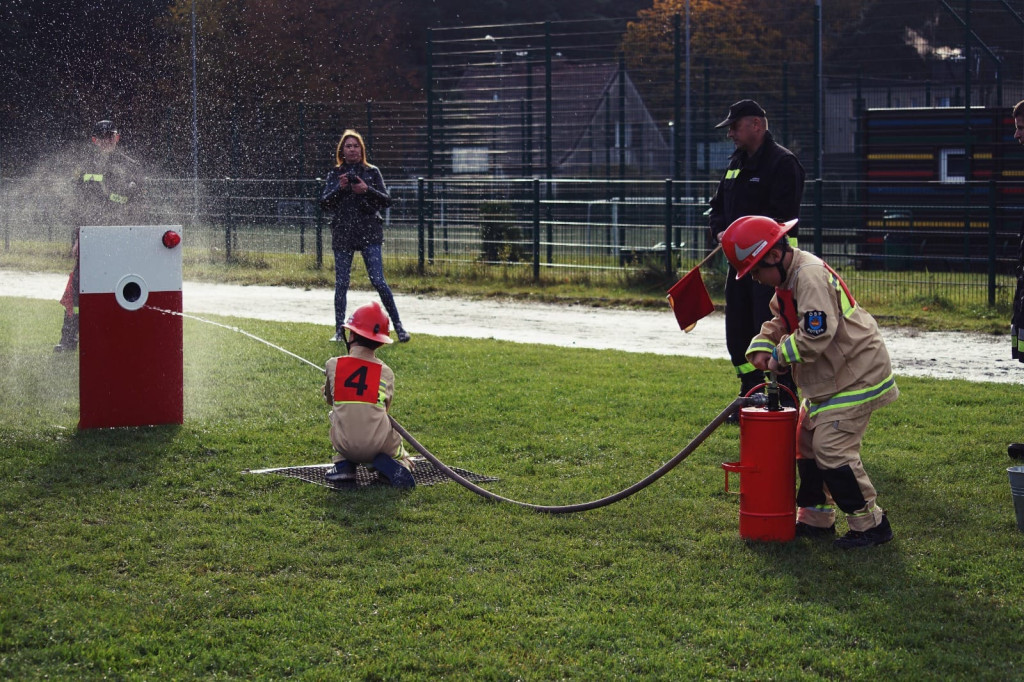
(132, 292)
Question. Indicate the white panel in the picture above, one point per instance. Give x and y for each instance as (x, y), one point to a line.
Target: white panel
(108, 254)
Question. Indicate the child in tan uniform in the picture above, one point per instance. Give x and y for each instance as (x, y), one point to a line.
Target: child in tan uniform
(839, 363)
(359, 387)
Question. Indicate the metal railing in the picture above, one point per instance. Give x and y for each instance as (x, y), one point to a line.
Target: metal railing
(537, 230)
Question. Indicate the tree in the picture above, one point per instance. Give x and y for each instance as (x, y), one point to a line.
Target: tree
(909, 39)
(744, 43)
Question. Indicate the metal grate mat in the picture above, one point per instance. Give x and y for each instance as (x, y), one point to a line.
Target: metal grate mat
(423, 471)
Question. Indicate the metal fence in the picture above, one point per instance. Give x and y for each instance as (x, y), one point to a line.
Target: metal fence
(544, 151)
(613, 99)
(534, 230)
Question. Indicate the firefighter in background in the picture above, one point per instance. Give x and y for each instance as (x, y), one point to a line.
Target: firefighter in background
(104, 190)
(763, 178)
(1017, 321)
(841, 366)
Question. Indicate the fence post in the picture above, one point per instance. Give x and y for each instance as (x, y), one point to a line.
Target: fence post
(369, 127)
(668, 227)
(430, 103)
(991, 242)
(622, 115)
(3, 206)
(819, 93)
(428, 206)
(677, 97)
(548, 111)
(819, 201)
(302, 139)
(319, 234)
(785, 103)
(536, 230)
(528, 169)
(229, 215)
(420, 224)
(549, 171)
(707, 116)
(301, 219)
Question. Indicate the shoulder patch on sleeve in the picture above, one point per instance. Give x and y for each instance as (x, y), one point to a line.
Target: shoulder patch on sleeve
(815, 322)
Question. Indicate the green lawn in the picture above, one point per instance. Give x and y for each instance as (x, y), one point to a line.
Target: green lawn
(145, 553)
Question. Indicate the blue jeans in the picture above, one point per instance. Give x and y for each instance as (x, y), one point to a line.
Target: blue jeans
(374, 268)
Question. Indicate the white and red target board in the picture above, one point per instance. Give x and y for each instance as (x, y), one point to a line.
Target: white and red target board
(131, 361)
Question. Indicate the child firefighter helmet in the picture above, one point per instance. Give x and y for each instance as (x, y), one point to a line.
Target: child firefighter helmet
(748, 239)
(371, 322)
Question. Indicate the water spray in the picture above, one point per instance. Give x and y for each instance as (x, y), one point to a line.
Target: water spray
(240, 331)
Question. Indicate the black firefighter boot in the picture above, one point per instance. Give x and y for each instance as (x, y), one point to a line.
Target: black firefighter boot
(68, 334)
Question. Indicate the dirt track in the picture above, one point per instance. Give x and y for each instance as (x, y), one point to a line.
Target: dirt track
(975, 357)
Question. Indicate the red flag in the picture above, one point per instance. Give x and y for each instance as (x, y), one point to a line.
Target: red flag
(690, 300)
(68, 299)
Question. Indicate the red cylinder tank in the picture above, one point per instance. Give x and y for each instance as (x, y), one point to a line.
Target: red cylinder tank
(768, 474)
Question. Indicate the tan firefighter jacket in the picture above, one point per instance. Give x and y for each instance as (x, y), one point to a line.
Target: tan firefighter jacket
(838, 358)
(360, 388)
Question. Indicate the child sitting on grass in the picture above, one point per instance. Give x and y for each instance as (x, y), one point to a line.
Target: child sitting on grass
(359, 388)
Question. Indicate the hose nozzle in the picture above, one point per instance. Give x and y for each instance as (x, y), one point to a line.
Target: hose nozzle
(774, 404)
(756, 400)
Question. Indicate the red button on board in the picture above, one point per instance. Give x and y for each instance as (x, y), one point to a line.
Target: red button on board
(171, 239)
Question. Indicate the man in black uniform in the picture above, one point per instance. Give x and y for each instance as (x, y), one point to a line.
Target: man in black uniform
(763, 178)
(1017, 321)
(104, 188)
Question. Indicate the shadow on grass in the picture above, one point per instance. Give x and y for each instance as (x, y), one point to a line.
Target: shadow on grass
(908, 598)
(368, 511)
(109, 458)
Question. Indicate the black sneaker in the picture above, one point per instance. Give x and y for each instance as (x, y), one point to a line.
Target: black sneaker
(403, 336)
(1015, 450)
(341, 471)
(397, 475)
(854, 539)
(804, 530)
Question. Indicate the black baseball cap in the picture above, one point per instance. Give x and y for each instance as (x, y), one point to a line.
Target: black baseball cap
(745, 107)
(104, 129)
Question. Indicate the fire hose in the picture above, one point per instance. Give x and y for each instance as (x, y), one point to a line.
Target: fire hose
(757, 400)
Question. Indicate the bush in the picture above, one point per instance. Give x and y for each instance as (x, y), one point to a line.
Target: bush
(500, 237)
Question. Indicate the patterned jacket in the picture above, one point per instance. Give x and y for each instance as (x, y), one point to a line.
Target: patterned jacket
(355, 218)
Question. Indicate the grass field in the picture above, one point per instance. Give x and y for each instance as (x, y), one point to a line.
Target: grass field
(145, 553)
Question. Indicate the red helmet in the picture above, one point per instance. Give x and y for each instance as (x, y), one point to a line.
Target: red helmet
(749, 238)
(371, 322)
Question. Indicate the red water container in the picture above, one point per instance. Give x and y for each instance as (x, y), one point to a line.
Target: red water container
(768, 474)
